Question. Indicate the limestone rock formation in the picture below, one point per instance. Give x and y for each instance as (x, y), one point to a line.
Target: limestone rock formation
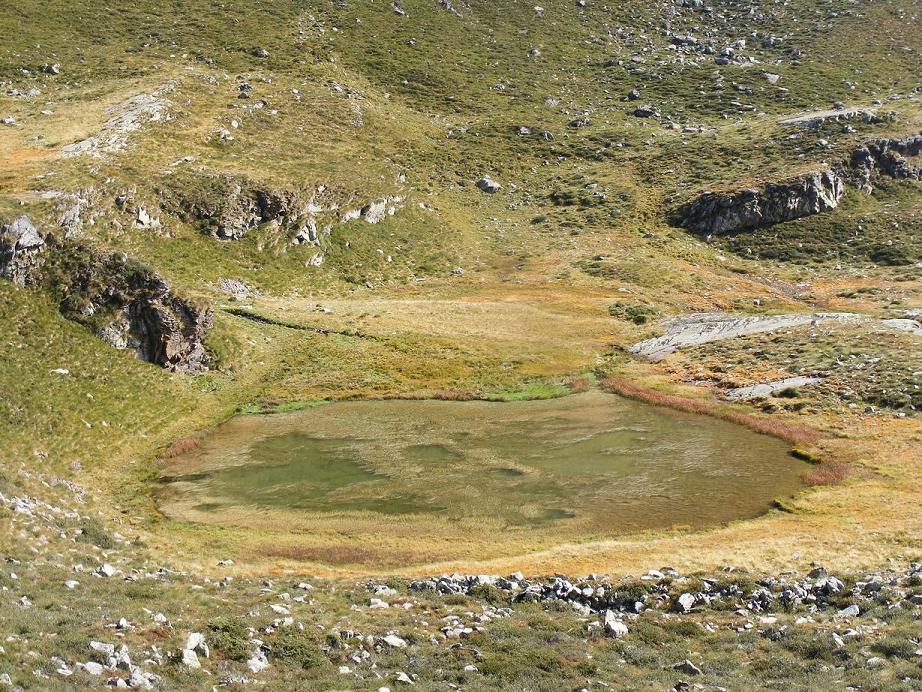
(126, 304)
(20, 249)
(889, 157)
(720, 213)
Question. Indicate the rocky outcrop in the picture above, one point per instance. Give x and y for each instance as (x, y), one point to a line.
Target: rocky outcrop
(124, 118)
(705, 327)
(228, 207)
(21, 248)
(719, 213)
(123, 302)
(766, 389)
(816, 119)
(888, 157)
(131, 307)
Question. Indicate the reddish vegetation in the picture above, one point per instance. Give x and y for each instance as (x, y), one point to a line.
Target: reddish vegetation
(578, 383)
(795, 434)
(182, 446)
(827, 474)
(453, 394)
(338, 555)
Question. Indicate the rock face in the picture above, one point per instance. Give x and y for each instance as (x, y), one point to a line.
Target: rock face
(889, 157)
(126, 304)
(131, 307)
(20, 250)
(718, 213)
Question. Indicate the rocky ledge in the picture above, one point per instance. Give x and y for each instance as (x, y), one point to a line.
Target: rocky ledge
(125, 303)
(816, 192)
(888, 157)
(716, 213)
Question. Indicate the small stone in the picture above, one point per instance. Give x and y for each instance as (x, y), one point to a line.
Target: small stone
(849, 612)
(190, 659)
(394, 641)
(488, 185)
(685, 603)
(106, 570)
(687, 667)
(614, 627)
(646, 111)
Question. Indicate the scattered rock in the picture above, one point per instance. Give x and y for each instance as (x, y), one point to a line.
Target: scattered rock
(766, 389)
(614, 627)
(488, 185)
(687, 667)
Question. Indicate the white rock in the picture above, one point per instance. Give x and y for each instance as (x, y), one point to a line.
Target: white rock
(190, 659)
(394, 641)
(614, 627)
(488, 185)
(106, 570)
(258, 661)
(103, 648)
(91, 667)
(196, 642)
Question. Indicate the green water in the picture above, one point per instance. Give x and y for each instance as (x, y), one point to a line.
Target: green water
(593, 460)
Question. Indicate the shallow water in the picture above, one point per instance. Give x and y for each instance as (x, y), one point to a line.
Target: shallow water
(593, 464)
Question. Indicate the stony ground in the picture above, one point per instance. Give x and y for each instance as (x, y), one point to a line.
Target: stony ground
(85, 607)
